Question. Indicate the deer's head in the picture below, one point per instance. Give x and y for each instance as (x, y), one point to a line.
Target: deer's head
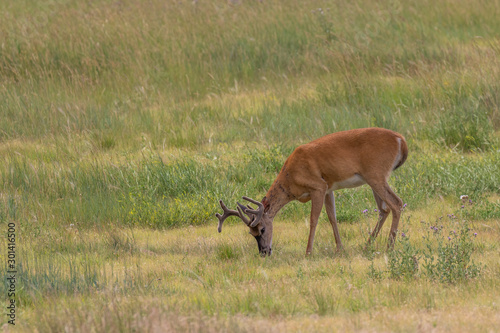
(259, 223)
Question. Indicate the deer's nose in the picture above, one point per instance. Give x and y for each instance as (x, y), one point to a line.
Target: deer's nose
(265, 252)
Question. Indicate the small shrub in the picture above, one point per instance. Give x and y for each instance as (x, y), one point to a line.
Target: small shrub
(451, 261)
(403, 260)
(482, 210)
(374, 273)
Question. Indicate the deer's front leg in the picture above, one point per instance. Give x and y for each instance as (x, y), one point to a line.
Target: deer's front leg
(330, 210)
(317, 199)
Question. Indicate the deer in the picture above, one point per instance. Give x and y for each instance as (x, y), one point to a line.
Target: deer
(314, 170)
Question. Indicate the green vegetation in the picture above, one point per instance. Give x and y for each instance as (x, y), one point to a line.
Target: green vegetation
(123, 123)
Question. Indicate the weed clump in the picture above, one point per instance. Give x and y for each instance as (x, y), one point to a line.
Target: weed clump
(445, 257)
(403, 260)
(228, 252)
(450, 259)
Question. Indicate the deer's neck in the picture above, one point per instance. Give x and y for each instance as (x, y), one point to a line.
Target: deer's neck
(277, 196)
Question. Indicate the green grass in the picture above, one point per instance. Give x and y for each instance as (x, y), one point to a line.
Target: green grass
(124, 122)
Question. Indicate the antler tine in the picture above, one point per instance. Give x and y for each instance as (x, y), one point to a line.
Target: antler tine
(247, 221)
(257, 213)
(259, 204)
(227, 212)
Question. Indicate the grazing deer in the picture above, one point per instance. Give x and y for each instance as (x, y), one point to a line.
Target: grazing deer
(314, 170)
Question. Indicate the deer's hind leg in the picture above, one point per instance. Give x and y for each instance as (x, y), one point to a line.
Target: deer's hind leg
(383, 213)
(387, 201)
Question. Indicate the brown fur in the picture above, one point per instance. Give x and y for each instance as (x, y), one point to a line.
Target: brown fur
(338, 160)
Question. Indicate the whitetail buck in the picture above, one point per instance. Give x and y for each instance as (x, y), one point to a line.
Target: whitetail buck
(314, 170)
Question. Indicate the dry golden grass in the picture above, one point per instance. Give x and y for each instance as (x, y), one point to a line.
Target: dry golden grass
(124, 121)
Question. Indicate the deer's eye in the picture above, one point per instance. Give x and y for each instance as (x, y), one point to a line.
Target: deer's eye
(262, 230)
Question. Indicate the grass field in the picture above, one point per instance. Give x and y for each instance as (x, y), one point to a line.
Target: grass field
(123, 123)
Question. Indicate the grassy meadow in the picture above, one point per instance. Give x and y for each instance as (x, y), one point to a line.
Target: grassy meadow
(122, 123)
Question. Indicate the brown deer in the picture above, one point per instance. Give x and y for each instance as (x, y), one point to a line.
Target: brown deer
(314, 170)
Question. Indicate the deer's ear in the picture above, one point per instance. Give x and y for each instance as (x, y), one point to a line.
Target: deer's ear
(266, 204)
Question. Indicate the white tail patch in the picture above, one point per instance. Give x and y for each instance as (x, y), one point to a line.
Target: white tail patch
(399, 156)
